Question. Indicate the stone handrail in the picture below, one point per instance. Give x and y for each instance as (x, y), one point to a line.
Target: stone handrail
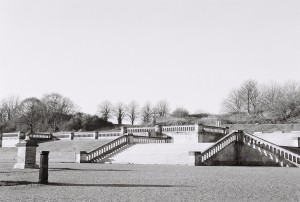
(146, 140)
(140, 130)
(215, 129)
(179, 128)
(40, 136)
(102, 152)
(108, 148)
(272, 150)
(183, 128)
(219, 145)
(261, 145)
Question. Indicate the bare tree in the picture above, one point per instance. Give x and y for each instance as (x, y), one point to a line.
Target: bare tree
(105, 110)
(31, 112)
(250, 94)
(290, 102)
(132, 111)
(58, 108)
(9, 108)
(119, 111)
(146, 112)
(162, 108)
(234, 102)
(271, 94)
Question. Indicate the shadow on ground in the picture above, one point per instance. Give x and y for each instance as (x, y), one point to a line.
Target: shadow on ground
(74, 169)
(15, 183)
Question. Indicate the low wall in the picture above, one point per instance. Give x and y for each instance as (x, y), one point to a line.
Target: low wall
(11, 139)
(86, 135)
(281, 138)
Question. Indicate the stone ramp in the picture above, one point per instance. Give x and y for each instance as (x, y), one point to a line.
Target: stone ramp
(176, 154)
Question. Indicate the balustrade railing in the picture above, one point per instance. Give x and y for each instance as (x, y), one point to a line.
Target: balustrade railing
(183, 128)
(221, 144)
(147, 140)
(104, 151)
(269, 149)
(141, 130)
(260, 144)
(107, 149)
(215, 129)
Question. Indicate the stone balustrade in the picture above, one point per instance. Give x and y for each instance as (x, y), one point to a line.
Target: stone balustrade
(268, 148)
(108, 149)
(274, 152)
(144, 130)
(147, 140)
(86, 135)
(40, 136)
(183, 128)
(221, 144)
(215, 129)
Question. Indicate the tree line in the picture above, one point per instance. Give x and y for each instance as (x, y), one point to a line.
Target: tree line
(266, 103)
(55, 112)
(132, 112)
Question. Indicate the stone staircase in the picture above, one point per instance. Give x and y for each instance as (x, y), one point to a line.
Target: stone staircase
(172, 153)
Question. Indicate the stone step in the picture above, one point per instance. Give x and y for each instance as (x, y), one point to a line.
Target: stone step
(157, 154)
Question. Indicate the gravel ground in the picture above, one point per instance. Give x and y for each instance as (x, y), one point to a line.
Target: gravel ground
(113, 182)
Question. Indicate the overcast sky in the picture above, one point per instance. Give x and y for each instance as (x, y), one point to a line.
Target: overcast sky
(190, 52)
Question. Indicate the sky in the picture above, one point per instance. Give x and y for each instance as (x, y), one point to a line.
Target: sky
(191, 53)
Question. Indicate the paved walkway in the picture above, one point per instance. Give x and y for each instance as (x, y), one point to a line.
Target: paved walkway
(113, 182)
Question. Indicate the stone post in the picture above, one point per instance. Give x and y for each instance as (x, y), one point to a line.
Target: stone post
(96, 134)
(158, 130)
(130, 139)
(43, 174)
(81, 157)
(123, 130)
(26, 154)
(0, 139)
(227, 130)
(198, 128)
(71, 136)
(238, 148)
(195, 158)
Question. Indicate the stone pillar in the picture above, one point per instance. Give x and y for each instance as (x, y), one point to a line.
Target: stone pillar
(227, 130)
(71, 136)
(198, 127)
(130, 139)
(0, 139)
(123, 130)
(96, 134)
(158, 130)
(26, 154)
(238, 148)
(81, 157)
(195, 159)
(43, 174)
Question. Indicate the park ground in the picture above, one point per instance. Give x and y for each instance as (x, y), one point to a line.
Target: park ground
(113, 182)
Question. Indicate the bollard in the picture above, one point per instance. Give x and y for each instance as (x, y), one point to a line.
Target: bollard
(43, 174)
